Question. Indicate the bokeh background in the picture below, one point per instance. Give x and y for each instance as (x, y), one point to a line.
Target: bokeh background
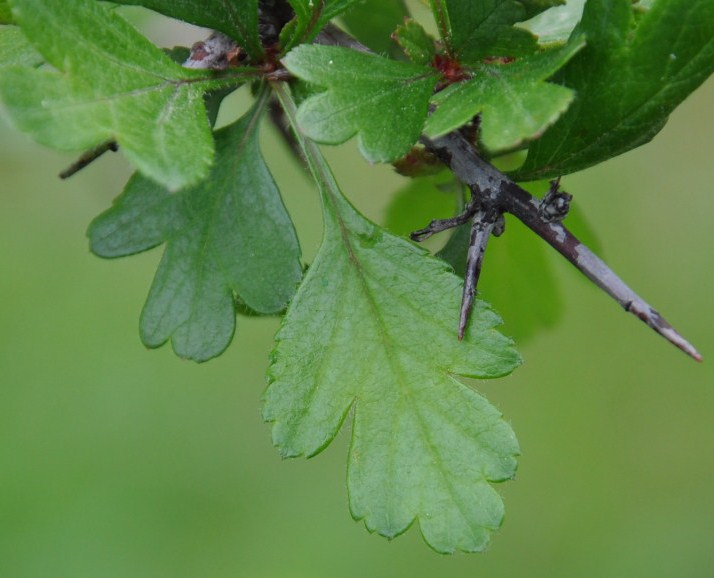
(116, 461)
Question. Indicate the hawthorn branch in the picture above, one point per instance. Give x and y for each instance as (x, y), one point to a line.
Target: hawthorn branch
(492, 195)
(498, 193)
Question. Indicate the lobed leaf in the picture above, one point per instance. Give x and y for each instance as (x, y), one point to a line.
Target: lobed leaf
(384, 102)
(228, 236)
(515, 102)
(235, 18)
(637, 67)
(111, 83)
(372, 330)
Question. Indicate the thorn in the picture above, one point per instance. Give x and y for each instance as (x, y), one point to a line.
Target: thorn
(654, 320)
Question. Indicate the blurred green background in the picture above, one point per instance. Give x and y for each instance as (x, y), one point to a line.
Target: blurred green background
(116, 461)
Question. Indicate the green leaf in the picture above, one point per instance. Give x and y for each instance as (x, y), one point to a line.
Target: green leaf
(310, 17)
(15, 50)
(416, 42)
(372, 22)
(383, 101)
(633, 73)
(372, 330)
(515, 102)
(228, 236)
(534, 7)
(475, 29)
(113, 84)
(321, 11)
(235, 18)
(555, 26)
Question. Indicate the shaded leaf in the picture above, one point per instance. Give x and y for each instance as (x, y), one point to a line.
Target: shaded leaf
(365, 94)
(534, 7)
(112, 84)
(515, 102)
(228, 236)
(381, 341)
(632, 74)
(235, 18)
(310, 17)
(475, 29)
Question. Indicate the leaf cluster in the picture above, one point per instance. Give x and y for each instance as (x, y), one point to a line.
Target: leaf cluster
(369, 329)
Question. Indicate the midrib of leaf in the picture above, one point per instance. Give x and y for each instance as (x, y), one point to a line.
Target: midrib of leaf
(333, 200)
(210, 83)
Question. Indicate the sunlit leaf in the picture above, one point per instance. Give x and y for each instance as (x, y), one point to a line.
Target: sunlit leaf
(365, 95)
(515, 102)
(111, 83)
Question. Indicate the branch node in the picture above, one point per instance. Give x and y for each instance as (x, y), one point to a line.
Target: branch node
(555, 205)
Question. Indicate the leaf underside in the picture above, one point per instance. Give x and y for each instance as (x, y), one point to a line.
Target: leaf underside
(372, 329)
(16, 50)
(228, 236)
